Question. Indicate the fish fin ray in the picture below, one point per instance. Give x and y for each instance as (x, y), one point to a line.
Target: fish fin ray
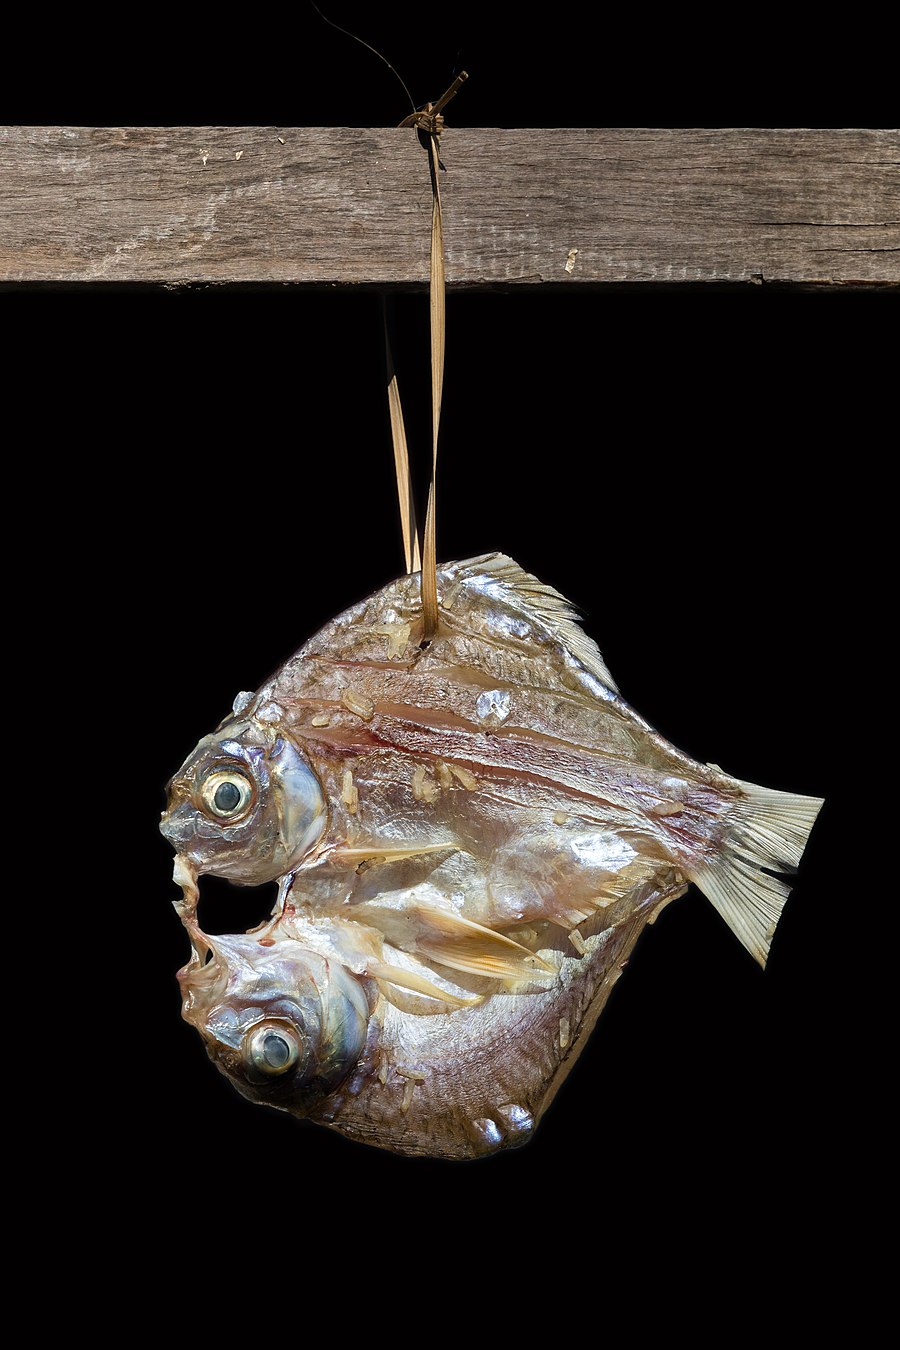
(767, 831)
(383, 973)
(545, 603)
(371, 854)
(450, 940)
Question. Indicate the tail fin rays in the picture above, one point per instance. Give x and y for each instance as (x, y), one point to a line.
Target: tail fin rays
(767, 831)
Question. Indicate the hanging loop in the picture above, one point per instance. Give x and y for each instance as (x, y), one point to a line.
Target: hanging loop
(430, 121)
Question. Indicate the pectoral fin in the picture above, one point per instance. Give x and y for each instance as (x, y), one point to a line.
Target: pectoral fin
(363, 858)
(383, 973)
(447, 939)
(450, 940)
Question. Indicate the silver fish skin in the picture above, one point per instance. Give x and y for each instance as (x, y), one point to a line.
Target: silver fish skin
(456, 809)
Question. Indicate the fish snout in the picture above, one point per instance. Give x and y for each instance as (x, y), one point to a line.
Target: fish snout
(179, 825)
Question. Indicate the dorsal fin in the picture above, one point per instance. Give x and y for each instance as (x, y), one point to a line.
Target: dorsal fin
(497, 574)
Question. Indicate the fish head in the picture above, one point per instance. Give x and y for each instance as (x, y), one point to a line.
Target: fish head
(285, 1024)
(245, 805)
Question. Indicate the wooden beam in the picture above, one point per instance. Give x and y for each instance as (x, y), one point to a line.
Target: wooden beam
(329, 205)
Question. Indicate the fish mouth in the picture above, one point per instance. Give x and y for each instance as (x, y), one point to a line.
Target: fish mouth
(178, 826)
(214, 958)
(204, 977)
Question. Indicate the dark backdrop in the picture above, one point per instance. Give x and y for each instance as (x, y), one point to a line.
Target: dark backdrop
(544, 65)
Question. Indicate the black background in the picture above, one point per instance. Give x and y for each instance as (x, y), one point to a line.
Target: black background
(695, 470)
(766, 65)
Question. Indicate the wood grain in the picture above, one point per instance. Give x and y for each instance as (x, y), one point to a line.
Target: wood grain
(334, 206)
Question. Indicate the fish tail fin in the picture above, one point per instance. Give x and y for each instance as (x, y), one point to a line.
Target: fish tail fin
(766, 834)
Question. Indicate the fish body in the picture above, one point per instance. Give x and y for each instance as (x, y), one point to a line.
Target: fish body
(473, 831)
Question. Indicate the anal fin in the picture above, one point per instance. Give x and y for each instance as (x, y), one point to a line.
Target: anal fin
(639, 876)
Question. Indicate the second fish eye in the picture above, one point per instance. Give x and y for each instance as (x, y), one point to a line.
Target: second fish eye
(272, 1048)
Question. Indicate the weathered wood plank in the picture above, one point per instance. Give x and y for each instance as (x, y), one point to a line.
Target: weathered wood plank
(321, 206)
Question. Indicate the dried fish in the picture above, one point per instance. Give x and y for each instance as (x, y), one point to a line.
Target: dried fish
(469, 839)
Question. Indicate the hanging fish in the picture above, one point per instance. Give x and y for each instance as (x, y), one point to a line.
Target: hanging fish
(469, 831)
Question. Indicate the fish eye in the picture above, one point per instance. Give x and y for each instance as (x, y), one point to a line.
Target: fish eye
(271, 1048)
(226, 793)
